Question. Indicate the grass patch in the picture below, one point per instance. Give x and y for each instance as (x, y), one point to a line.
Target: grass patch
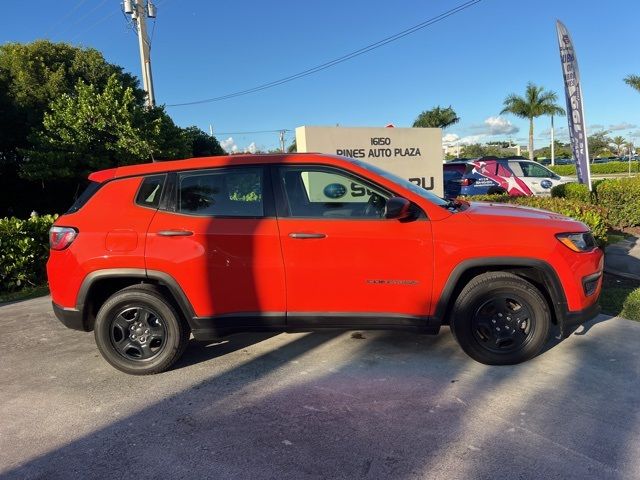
(620, 297)
(24, 294)
(615, 237)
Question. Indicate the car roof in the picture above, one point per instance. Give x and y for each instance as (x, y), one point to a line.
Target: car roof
(212, 162)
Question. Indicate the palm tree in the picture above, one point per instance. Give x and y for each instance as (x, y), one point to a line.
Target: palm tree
(619, 142)
(437, 118)
(633, 81)
(535, 103)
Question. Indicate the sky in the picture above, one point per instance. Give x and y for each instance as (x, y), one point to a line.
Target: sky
(470, 60)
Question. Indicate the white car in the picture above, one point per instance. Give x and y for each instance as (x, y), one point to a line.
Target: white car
(538, 178)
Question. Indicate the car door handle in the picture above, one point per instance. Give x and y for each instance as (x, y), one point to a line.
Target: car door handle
(304, 236)
(175, 233)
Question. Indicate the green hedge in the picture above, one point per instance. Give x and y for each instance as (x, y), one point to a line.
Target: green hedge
(24, 249)
(621, 199)
(591, 215)
(599, 168)
(618, 197)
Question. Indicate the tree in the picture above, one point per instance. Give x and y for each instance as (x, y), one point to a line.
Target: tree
(619, 142)
(437, 117)
(200, 143)
(535, 103)
(633, 81)
(91, 130)
(293, 148)
(598, 143)
(561, 150)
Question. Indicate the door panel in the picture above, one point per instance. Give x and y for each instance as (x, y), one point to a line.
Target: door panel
(220, 248)
(359, 266)
(340, 254)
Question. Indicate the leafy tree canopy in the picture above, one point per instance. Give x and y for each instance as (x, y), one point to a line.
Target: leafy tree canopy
(536, 102)
(437, 117)
(633, 81)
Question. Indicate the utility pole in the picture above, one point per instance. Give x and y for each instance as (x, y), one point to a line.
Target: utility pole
(282, 140)
(139, 12)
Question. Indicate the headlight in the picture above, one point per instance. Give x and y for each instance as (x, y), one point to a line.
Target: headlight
(578, 242)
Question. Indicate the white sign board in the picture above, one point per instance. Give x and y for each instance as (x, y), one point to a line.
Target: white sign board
(411, 153)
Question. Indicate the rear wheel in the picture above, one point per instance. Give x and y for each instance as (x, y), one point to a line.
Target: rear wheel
(139, 332)
(500, 319)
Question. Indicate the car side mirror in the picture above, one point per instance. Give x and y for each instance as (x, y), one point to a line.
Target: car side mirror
(398, 208)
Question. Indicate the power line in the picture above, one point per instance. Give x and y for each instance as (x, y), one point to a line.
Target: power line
(252, 133)
(338, 60)
(62, 20)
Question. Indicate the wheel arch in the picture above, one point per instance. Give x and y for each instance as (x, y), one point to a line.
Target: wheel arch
(540, 273)
(99, 285)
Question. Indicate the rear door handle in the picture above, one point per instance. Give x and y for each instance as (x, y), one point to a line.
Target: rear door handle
(175, 233)
(304, 236)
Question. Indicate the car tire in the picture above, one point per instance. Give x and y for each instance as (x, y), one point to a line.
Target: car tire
(500, 319)
(139, 332)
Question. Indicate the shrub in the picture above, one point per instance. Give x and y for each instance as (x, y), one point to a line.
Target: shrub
(599, 168)
(591, 215)
(620, 197)
(573, 191)
(631, 306)
(24, 248)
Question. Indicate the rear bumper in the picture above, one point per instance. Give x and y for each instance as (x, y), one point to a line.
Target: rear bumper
(70, 317)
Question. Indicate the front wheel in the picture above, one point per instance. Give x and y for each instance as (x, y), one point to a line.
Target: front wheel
(500, 319)
(139, 332)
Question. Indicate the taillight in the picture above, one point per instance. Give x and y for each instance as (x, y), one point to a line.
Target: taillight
(61, 237)
(465, 182)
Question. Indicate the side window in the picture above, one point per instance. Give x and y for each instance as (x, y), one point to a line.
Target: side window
(533, 170)
(150, 191)
(230, 192)
(516, 168)
(317, 192)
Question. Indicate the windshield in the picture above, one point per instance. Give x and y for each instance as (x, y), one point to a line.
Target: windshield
(403, 183)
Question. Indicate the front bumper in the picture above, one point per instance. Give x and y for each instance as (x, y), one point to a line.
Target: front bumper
(70, 317)
(572, 320)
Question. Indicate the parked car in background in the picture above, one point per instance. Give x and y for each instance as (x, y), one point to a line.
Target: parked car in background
(565, 161)
(488, 175)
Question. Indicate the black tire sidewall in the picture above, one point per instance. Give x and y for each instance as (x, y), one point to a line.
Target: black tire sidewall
(468, 304)
(174, 338)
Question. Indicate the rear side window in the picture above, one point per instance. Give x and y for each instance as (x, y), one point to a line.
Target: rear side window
(84, 197)
(150, 191)
(236, 192)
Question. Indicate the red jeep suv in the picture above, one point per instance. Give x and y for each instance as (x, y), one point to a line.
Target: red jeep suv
(151, 254)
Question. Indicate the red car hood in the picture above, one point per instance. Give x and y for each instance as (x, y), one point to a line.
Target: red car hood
(491, 212)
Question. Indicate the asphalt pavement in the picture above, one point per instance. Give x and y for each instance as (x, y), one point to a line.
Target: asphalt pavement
(317, 405)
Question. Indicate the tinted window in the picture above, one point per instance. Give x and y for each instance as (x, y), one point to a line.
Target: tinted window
(88, 192)
(535, 170)
(317, 192)
(150, 191)
(229, 192)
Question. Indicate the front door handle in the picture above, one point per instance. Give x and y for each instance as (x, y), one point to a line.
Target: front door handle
(175, 233)
(304, 236)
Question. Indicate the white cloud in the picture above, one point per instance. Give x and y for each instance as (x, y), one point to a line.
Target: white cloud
(621, 126)
(596, 126)
(229, 145)
(251, 148)
(450, 138)
(500, 126)
(468, 140)
(496, 126)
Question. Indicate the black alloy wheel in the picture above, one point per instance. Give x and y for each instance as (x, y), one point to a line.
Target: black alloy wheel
(137, 333)
(500, 318)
